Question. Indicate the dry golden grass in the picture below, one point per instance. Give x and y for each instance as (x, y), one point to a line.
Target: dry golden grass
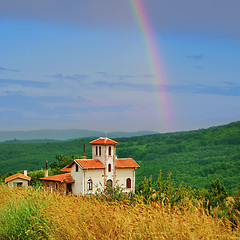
(71, 217)
(78, 218)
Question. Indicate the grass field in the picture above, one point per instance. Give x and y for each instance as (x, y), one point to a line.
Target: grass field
(37, 214)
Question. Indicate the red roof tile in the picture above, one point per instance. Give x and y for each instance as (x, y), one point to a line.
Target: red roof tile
(69, 180)
(57, 178)
(90, 163)
(87, 164)
(65, 169)
(126, 163)
(103, 141)
(17, 175)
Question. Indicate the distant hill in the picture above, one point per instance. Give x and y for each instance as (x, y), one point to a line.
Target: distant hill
(194, 158)
(64, 134)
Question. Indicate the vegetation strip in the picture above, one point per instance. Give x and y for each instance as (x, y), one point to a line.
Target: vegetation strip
(40, 214)
(195, 158)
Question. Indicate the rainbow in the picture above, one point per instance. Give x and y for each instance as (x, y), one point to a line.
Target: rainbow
(155, 64)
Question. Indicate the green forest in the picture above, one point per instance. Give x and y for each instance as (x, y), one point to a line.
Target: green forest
(194, 158)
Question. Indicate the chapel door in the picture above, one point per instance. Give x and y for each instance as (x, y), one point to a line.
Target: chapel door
(109, 183)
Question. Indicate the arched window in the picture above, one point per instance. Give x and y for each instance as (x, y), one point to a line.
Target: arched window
(96, 150)
(109, 167)
(89, 184)
(128, 183)
(109, 183)
(109, 151)
(100, 151)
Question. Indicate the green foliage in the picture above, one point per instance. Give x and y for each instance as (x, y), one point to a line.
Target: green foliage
(236, 197)
(35, 175)
(63, 161)
(194, 158)
(168, 193)
(112, 194)
(145, 188)
(213, 201)
(32, 155)
(217, 194)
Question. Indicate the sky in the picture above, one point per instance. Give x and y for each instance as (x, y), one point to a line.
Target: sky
(124, 65)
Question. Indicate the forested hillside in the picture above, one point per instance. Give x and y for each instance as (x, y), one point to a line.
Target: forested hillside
(194, 158)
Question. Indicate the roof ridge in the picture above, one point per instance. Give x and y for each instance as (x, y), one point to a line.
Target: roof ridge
(16, 175)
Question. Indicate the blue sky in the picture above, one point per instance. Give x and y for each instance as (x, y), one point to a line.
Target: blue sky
(83, 64)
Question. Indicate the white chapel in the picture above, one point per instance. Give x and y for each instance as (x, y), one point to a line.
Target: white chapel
(86, 176)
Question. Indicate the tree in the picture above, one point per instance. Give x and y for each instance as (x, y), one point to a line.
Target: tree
(35, 175)
(217, 194)
(144, 188)
(63, 161)
(170, 193)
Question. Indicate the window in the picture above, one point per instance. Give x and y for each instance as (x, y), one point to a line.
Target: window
(19, 184)
(76, 168)
(128, 183)
(89, 184)
(109, 151)
(109, 167)
(100, 151)
(96, 150)
(56, 186)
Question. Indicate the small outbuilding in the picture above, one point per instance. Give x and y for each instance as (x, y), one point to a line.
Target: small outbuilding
(18, 179)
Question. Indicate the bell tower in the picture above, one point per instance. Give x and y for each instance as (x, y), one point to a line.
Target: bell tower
(104, 150)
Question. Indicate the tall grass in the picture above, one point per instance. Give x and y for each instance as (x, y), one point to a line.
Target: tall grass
(53, 216)
(22, 213)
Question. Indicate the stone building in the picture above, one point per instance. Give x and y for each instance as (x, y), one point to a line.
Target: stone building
(18, 179)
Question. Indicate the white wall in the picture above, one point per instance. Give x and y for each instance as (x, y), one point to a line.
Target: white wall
(98, 156)
(97, 176)
(81, 177)
(77, 186)
(14, 182)
(121, 178)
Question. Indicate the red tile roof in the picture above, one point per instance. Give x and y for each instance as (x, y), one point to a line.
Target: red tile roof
(90, 163)
(17, 175)
(65, 169)
(104, 141)
(58, 178)
(87, 164)
(69, 180)
(126, 163)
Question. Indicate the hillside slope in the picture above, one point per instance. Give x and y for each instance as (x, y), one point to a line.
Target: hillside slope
(194, 157)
